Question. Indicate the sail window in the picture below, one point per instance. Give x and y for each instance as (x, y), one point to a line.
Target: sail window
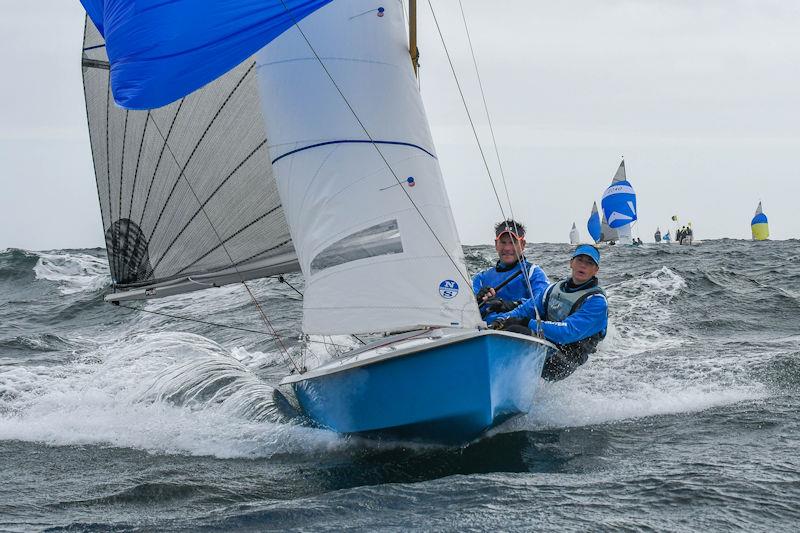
(381, 239)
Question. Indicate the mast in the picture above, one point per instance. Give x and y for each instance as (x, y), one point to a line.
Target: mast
(412, 35)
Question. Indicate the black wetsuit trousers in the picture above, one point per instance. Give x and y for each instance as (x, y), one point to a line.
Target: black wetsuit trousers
(560, 364)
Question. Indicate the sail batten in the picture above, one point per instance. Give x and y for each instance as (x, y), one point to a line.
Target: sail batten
(186, 191)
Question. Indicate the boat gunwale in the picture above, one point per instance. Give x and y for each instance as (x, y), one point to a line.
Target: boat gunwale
(402, 352)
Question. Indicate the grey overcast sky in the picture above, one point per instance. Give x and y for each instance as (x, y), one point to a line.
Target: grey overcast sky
(701, 97)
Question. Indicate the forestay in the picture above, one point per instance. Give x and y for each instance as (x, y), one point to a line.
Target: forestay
(370, 260)
(149, 165)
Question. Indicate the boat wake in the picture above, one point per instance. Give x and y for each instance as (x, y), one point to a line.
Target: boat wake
(163, 392)
(634, 373)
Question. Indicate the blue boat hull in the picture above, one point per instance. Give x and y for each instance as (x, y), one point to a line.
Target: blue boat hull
(447, 393)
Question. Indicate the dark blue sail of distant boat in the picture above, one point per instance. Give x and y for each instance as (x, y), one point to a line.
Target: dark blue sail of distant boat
(593, 224)
(161, 51)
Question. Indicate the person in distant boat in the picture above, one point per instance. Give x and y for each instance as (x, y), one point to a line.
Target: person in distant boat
(573, 315)
(503, 287)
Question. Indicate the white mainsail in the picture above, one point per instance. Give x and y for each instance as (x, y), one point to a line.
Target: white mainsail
(161, 239)
(624, 234)
(574, 235)
(619, 175)
(368, 212)
(607, 233)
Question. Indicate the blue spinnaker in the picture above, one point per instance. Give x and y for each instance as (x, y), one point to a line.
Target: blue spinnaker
(160, 51)
(760, 218)
(593, 225)
(619, 204)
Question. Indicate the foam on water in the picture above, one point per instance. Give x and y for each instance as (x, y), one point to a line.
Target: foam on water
(574, 404)
(162, 392)
(168, 392)
(641, 317)
(627, 378)
(74, 272)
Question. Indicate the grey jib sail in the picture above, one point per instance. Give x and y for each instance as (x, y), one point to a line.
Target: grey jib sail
(186, 191)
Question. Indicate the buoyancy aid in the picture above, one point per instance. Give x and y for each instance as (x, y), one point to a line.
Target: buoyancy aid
(561, 301)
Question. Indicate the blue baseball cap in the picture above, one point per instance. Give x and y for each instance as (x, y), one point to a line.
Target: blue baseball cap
(588, 249)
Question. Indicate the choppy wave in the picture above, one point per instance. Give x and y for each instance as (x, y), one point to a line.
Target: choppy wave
(134, 380)
(161, 392)
(73, 272)
(641, 315)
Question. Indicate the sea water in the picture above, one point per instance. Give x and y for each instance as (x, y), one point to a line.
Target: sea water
(685, 419)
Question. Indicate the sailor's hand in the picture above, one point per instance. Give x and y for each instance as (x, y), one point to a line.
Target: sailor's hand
(485, 294)
(498, 305)
(505, 323)
(498, 324)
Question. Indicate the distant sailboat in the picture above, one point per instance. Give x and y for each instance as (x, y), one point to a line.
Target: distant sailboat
(657, 236)
(593, 225)
(685, 235)
(759, 226)
(574, 235)
(619, 205)
(667, 239)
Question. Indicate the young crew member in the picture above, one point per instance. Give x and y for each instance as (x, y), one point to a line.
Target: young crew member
(510, 245)
(573, 313)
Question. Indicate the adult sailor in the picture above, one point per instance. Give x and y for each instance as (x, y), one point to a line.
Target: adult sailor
(573, 312)
(508, 273)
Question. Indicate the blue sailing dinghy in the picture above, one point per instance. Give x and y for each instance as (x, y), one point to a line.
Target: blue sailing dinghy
(314, 154)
